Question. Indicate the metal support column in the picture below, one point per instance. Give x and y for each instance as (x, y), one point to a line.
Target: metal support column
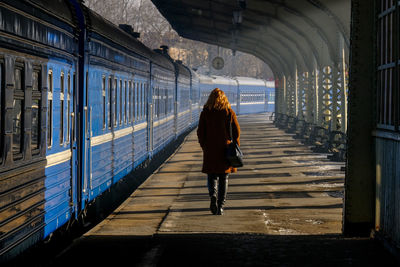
(309, 98)
(359, 205)
(284, 96)
(291, 99)
(320, 93)
(302, 93)
(335, 93)
(288, 95)
(326, 98)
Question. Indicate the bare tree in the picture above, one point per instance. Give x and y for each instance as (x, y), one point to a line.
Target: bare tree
(155, 31)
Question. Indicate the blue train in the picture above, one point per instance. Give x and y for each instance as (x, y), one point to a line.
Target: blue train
(83, 104)
(246, 95)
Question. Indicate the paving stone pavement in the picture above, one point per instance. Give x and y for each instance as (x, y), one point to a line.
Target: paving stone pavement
(284, 208)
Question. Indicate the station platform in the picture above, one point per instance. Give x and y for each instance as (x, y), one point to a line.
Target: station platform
(284, 208)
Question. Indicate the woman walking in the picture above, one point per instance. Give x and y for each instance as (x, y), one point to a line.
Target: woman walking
(214, 136)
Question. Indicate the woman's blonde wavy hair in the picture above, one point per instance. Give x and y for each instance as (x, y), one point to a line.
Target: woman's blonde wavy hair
(217, 100)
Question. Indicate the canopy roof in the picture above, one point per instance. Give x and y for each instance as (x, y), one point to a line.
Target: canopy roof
(283, 33)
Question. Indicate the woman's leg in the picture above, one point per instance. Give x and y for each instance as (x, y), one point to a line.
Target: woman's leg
(213, 192)
(222, 191)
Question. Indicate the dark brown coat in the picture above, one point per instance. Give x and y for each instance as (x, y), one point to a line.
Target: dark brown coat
(213, 134)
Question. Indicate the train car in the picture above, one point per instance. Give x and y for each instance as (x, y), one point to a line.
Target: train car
(229, 86)
(38, 66)
(195, 98)
(115, 130)
(183, 105)
(163, 102)
(226, 84)
(253, 95)
(206, 85)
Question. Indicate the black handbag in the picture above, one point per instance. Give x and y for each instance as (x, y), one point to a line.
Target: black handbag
(234, 155)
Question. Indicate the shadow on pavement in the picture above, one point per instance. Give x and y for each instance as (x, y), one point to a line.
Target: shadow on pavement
(226, 250)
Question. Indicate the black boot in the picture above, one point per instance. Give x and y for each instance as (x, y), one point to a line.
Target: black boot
(220, 211)
(213, 205)
(222, 192)
(213, 191)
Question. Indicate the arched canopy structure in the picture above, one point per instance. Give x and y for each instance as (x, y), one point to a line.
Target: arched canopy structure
(305, 42)
(283, 33)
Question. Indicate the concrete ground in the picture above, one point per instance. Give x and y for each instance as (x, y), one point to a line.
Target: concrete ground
(284, 208)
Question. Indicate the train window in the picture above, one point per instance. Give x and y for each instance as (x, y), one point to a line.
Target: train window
(87, 105)
(166, 102)
(158, 101)
(62, 108)
(161, 99)
(103, 91)
(36, 105)
(142, 102)
(139, 102)
(161, 111)
(155, 102)
(115, 103)
(74, 92)
(1, 108)
(130, 101)
(49, 108)
(136, 101)
(145, 99)
(68, 106)
(120, 102)
(18, 111)
(109, 104)
(126, 102)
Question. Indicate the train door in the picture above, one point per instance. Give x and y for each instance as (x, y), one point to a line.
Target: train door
(84, 142)
(150, 109)
(88, 134)
(150, 118)
(190, 94)
(72, 134)
(81, 115)
(176, 107)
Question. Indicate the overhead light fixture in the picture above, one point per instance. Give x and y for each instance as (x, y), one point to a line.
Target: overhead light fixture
(237, 17)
